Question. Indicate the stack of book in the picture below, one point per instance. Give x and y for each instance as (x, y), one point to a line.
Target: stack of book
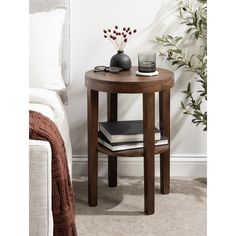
(125, 135)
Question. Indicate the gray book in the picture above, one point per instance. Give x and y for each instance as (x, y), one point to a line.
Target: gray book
(125, 145)
(125, 131)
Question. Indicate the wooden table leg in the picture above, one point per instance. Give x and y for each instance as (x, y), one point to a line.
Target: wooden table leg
(92, 104)
(112, 116)
(164, 106)
(149, 159)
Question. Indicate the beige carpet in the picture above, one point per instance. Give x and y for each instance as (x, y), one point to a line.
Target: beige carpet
(120, 210)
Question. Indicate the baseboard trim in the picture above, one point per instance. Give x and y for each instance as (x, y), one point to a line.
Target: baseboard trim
(181, 165)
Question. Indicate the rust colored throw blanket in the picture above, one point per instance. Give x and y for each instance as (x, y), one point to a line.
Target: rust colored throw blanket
(42, 128)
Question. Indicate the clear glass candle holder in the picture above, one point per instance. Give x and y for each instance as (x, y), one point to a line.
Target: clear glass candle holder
(147, 62)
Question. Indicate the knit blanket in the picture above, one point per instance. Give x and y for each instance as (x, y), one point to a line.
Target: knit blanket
(42, 128)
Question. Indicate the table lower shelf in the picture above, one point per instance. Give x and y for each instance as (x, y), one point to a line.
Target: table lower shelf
(132, 152)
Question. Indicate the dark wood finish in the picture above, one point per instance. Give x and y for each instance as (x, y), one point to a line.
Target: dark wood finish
(128, 82)
(149, 160)
(139, 152)
(92, 147)
(112, 160)
(164, 107)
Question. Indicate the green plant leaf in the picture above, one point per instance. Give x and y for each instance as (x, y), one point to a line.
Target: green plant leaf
(180, 56)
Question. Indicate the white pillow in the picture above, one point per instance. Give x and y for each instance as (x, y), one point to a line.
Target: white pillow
(45, 49)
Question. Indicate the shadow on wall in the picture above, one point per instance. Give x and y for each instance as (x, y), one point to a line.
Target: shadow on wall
(163, 24)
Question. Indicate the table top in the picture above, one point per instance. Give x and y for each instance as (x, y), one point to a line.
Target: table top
(128, 81)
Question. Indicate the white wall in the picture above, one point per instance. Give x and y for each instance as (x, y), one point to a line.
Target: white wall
(89, 48)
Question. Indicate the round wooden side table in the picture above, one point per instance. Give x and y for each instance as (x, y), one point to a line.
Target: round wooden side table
(128, 82)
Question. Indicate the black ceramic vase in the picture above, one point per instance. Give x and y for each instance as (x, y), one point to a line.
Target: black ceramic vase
(121, 60)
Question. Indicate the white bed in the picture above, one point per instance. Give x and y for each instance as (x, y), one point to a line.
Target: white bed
(50, 104)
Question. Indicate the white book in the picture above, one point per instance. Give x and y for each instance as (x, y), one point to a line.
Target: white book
(126, 145)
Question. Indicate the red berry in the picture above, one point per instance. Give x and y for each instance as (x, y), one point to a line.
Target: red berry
(130, 32)
(135, 31)
(104, 31)
(105, 36)
(125, 40)
(109, 30)
(116, 27)
(124, 29)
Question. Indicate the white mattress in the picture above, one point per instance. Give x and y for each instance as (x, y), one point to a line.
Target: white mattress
(43, 109)
(50, 104)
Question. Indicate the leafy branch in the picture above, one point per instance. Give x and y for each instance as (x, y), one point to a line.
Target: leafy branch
(195, 20)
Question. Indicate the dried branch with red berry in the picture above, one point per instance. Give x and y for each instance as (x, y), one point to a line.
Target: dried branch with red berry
(119, 38)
